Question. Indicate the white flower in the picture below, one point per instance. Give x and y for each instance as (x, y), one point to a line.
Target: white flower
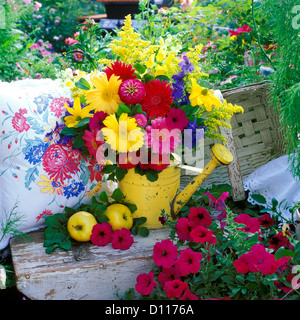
(2, 277)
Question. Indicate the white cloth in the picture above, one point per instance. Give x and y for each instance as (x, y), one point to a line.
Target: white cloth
(274, 180)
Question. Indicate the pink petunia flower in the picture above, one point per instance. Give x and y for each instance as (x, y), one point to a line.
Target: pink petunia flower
(183, 229)
(165, 253)
(168, 274)
(188, 295)
(252, 225)
(175, 288)
(176, 119)
(122, 239)
(199, 217)
(188, 261)
(202, 235)
(145, 283)
(101, 234)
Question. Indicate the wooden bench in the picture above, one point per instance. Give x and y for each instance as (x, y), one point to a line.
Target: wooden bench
(86, 272)
(96, 17)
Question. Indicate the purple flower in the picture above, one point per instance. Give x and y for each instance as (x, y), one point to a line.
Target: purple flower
(186, 65)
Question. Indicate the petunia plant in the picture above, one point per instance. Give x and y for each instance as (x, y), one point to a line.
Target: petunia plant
(142, 106)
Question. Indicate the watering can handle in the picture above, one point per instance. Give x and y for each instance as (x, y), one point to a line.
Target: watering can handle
(220, 156)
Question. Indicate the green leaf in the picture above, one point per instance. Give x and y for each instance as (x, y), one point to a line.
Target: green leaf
(120, 173)
(151, 175)
(78, 142)
(143, 232)
(148, 77)
(140, 221)
(68, 131)
(103, 197)
(51, 248)
(83, 122)
(259, 198)
(140, 68)
(163, 77)
(117, 195)
(53, 222)
(282, 252)
(69, 211)
(82, 84)
(137, 109)
(101, 217)
(109, 168)
(66, 245)
(123, 109)
(98, 208)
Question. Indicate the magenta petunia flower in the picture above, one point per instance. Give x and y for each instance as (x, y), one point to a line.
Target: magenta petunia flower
(266, 221)
(175, 288)
(202, 235)
(165, 253)
(132, 91)
(101, 234)
(183, 229)
(277, 241)
(189, 261)
(176, 119)
(251, 224)
(199, 217)
(96, 121)
(122, 239)
(168, 274)
(188, 295)
(145, 283)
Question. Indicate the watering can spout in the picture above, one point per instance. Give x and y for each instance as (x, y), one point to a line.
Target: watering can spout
(220, 156)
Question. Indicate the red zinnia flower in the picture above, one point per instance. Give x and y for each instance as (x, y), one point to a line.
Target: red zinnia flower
(158, 98)
(279, 240)
(199, 217)
(189, 261)
(165, 253)
(243, 29)
(96, 122)
(122, 239)
(127, 160)
(175, 288)
(202, 235)
(120, 69)
(183, 229)
(159, 162)
(101, 234)
(132, 91)
(252, 224)
(266, 221)
(168, 274)
(145, 283)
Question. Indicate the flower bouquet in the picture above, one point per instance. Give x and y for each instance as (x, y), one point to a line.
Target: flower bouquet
(145, 104)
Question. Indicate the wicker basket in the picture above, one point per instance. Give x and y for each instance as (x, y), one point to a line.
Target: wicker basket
(255, 132)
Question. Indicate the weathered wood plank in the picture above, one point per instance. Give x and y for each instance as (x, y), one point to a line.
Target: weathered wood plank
(100, 274)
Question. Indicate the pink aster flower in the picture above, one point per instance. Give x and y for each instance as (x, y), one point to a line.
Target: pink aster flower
(165, 253)
(101, 234)
(176, 119)
(160, 138)
(122, 239)
(189, 261)
(145, 283)
(132, 91)
(199, 217)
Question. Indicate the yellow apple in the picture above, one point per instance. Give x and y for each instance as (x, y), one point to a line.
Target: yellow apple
(119, 216)
(80, 226)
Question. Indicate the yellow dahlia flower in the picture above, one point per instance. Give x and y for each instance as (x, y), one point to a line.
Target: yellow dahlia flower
(123, 135)
(105, 96)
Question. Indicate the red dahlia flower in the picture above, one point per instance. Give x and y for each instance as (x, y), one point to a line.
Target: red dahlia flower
(145, 283)
(158, 98)
(120, 69)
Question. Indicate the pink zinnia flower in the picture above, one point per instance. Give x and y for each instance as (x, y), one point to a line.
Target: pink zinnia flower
(202, 235)
(168, 274)
(251, 224)
(199, 217)
(101, 234)
(189, 261)
(145, 283)
(140, 119)
(160, 138)
(175, 288)
(132, 91)
(176, 119)
(165, 253)
(183, 229)
(122, 239)
(96, 121)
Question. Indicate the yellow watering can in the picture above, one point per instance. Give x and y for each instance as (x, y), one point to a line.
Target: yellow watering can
(152, 197)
